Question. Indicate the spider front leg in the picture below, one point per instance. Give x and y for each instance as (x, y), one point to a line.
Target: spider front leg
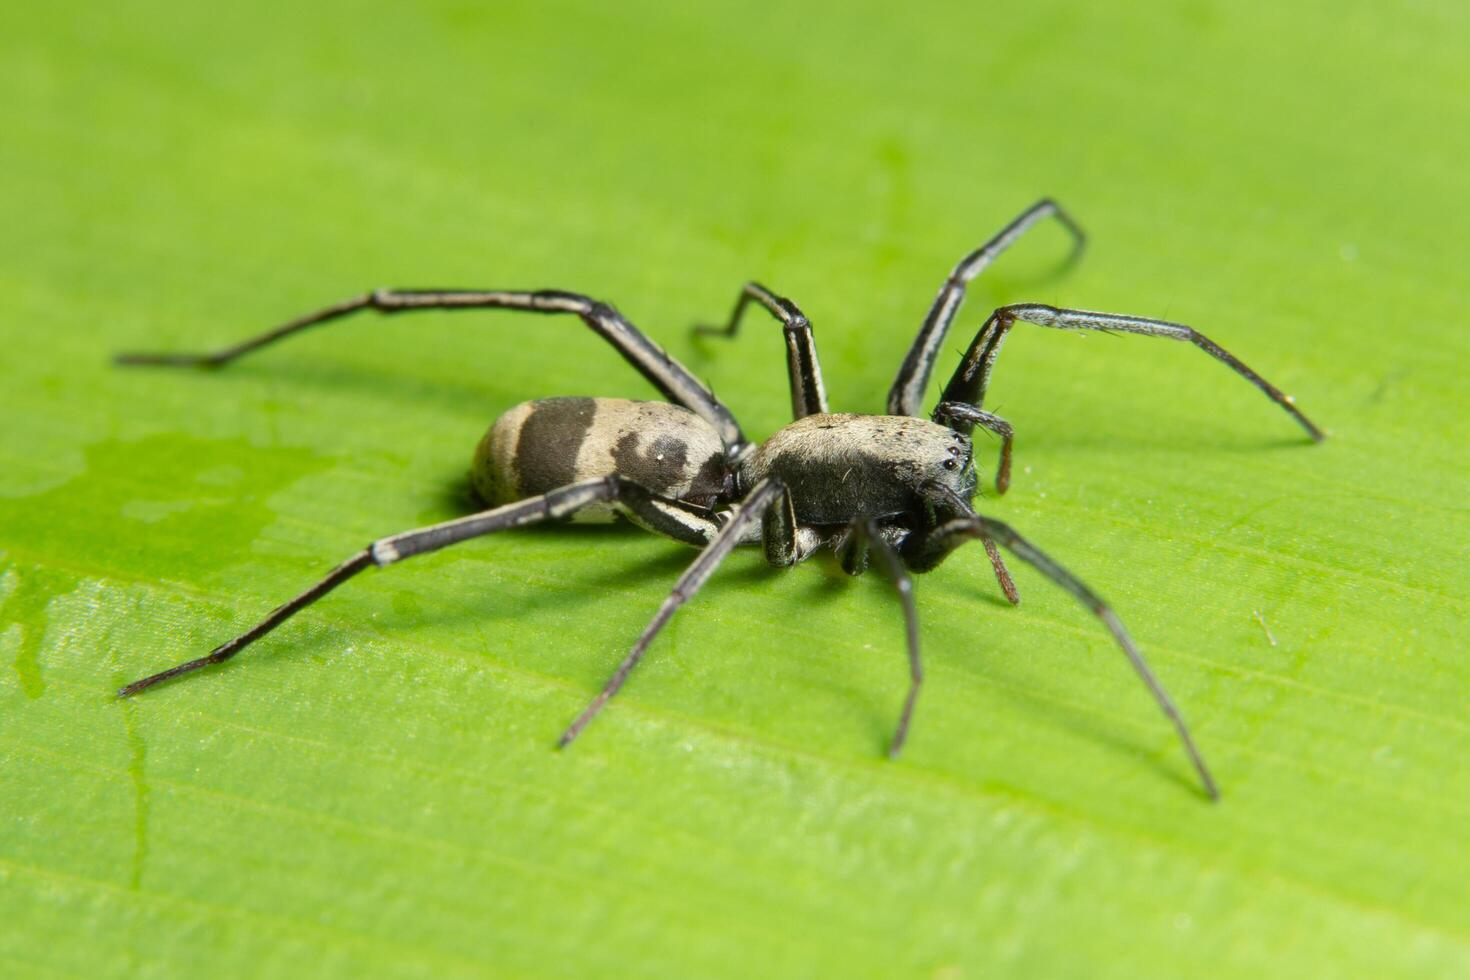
(950, 413)
(907, 394)
(972, 377)
(925, 550)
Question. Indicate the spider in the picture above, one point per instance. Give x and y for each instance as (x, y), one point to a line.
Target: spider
(895, 488)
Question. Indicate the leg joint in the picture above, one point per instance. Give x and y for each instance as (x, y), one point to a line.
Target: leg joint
(384, 552)
(1038, 313)
(597, 310)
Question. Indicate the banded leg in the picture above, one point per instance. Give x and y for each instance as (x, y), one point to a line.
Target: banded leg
(745, 519)
(898, 576)
(906, 397)
(927, 549)
(808, 395)
(670, 377)
(559, 503)
(972, 377)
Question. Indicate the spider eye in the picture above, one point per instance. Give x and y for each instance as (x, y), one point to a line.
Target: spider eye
(950, 464)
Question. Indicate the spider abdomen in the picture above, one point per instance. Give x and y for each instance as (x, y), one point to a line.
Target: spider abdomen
(538, 446)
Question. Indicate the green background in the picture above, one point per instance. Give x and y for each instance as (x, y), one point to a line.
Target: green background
(375, 788)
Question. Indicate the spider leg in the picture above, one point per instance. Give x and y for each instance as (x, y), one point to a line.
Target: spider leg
(924, 550)
(872, 537)
(808, 395)
(947, 413)
(745, 519)
(648, 508)
(972, 377)
(1002, 574)
(906, 397)
(670, 377)
(943, 539)
(786, 542)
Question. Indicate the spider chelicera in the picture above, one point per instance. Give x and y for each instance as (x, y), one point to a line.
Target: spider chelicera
(895, 487)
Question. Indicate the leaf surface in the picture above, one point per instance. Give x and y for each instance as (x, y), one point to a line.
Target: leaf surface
(374, 789)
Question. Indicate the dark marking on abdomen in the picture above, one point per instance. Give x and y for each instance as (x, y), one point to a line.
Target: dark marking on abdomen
(660, 468)
(553, 433)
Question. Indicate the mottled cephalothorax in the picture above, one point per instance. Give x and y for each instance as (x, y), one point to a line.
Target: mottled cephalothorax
(841, 468)
(896, 488)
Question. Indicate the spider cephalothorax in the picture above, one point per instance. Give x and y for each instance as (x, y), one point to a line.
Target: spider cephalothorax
(895, 488)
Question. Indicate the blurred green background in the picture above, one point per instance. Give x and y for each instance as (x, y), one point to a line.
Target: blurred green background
(374, 790)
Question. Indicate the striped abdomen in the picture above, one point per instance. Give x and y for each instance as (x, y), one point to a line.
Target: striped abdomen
(540, 445)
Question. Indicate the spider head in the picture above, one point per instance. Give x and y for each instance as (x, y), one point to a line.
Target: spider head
(954, 467)
(938, 459)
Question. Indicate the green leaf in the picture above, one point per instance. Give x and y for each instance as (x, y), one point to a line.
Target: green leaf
(374, 789)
